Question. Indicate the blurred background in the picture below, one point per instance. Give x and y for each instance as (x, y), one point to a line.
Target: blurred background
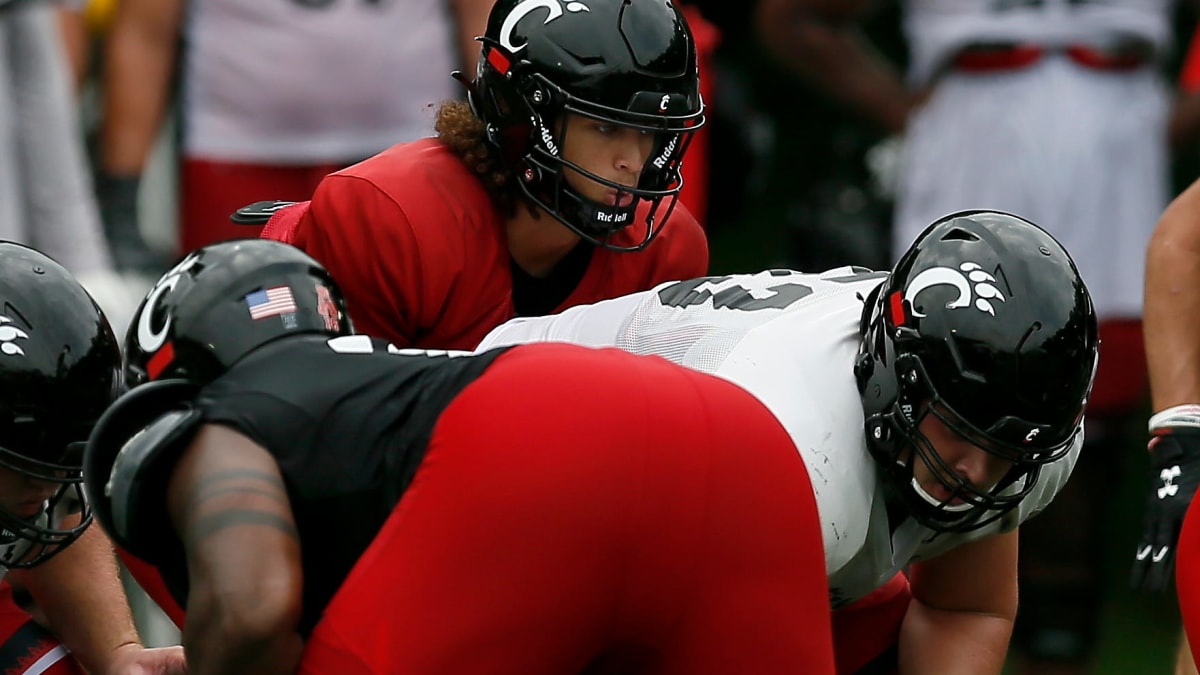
(143, 154)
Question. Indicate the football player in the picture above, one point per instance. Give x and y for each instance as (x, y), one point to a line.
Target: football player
(556, 185)
(1173, 354)
(543, 509)
(61, 367)
(937, 407)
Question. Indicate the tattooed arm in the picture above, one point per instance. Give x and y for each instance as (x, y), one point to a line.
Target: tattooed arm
(228, 504)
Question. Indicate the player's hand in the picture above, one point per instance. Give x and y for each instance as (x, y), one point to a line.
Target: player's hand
(117, 196)
(1174, 476)
(138, 660)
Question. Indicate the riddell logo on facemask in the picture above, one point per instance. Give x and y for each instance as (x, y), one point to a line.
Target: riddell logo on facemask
(967, 278)
(661, 161)
(616, 218)
(548, 140)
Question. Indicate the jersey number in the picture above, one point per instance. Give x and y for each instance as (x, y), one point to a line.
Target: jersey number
(784, 294)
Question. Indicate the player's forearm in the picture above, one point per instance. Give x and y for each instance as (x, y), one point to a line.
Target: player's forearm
(1172, 303)
(832, 54)
(242, 616)
(936, 642)
(139, 63)
(81, 595)
(214, 647)
(243, 606)
(229, 506)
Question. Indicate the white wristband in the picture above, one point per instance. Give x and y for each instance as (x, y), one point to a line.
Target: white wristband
(1187, 415)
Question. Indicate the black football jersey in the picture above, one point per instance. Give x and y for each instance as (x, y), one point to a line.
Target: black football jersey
(348, 420)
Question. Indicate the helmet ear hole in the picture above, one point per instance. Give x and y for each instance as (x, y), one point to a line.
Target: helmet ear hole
(539, 97)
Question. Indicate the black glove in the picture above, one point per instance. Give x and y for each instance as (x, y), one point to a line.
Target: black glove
(118, 199)
(258, 213)
(1174, 476)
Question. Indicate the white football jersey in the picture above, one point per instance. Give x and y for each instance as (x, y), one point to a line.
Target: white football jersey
(313, 81)
(936, 29)
(791, 340)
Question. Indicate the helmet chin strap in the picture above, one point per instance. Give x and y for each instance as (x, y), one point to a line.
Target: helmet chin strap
(602, 220)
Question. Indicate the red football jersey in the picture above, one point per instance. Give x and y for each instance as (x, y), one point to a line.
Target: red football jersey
(25, 646)
(420, 252)
(1189, 73)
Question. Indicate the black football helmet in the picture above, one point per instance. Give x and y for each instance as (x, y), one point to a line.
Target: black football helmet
(985, 323)
(224, 300)
(630, 63)
(61, 367)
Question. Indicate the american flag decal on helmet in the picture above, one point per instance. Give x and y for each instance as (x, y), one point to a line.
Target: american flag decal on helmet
(271, 302)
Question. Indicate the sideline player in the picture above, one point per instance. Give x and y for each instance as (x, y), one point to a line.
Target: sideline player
(271, 96)
(1173, 354)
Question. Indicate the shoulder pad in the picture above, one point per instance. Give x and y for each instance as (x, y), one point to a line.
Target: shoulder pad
(128, 460)
(257, 213)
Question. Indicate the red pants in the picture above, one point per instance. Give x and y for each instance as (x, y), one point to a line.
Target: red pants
(1121, 376)
(867, 629)
(592, 511)
(211, 191)
(26, 647)
(1187, 576)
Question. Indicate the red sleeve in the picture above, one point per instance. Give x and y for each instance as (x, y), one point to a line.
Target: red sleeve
(364, 238)
(1189, 76)
(24, 641)
(284, 224)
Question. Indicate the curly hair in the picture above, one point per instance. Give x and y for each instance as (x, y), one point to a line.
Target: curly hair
(461, 131)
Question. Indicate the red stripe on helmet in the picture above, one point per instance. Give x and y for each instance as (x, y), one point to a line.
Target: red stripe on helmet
(161, 359)
(896, 309)
(498, 60)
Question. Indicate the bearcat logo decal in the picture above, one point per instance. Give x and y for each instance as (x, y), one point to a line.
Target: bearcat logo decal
(9, 336)
(149, 340)
(524, 8)
(967, 278)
